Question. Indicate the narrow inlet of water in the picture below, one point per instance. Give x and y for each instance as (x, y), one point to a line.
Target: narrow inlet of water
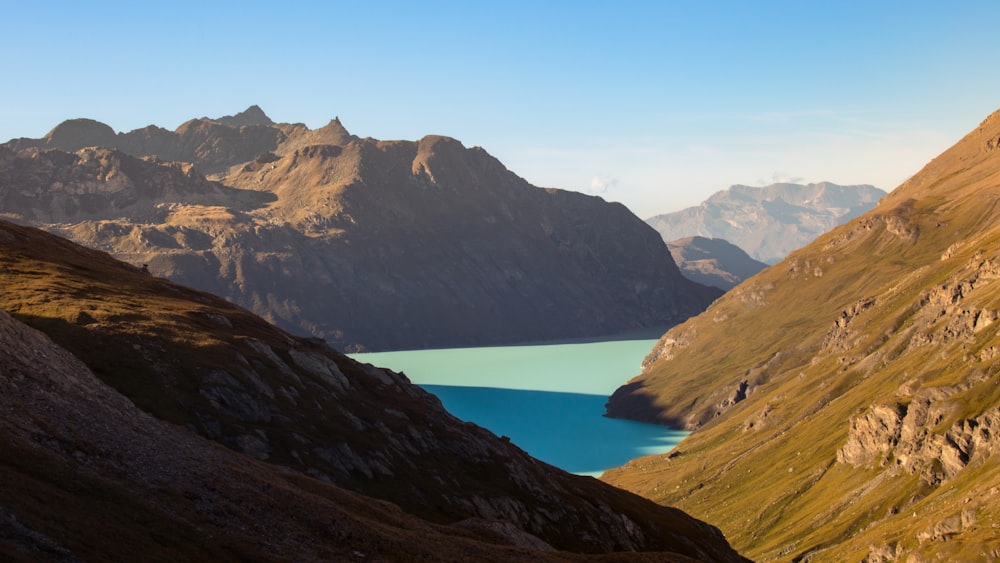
(548, 399)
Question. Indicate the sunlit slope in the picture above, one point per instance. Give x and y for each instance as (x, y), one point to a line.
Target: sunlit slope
(846, 399)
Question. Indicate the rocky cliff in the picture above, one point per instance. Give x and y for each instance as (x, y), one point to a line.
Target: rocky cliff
(296, 416)
(845, 400)
(368, 244)
(771, 221)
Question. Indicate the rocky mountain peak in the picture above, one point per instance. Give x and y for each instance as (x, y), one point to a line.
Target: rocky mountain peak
(253, 115)
(413, 244)
(768, 222)
(74, 134)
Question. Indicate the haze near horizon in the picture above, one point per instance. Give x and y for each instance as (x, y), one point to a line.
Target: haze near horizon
(655, 105)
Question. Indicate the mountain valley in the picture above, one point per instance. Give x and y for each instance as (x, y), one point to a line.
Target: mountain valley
(141, 416)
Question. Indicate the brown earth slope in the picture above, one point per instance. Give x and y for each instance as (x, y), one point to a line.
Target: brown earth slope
(846, 402)
(368, 244)
(197, 361)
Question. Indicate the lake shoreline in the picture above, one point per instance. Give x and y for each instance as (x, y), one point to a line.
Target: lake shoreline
(548, 398)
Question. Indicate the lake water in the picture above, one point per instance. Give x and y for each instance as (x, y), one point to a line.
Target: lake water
(549, 399)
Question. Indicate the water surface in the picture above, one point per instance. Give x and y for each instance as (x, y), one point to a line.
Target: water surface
(548, 399)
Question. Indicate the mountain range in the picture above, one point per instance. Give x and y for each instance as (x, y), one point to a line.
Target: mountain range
(368, 244)
(771, 221)
(143, 419)
(845, 402)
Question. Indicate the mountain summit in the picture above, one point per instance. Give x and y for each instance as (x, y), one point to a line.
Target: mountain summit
(253, 115)
(368, 244)
(845, 401)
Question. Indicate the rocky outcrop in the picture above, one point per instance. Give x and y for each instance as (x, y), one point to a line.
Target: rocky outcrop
(96, 185)
(771, 221)
(907, 437)
(410, 244)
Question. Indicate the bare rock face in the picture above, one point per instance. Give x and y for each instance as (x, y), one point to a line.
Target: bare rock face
(368, 244)
(905, 436)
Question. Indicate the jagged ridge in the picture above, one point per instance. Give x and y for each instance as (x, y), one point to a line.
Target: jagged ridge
(368, 244)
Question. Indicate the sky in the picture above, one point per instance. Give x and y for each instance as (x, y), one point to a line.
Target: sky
(655, 104)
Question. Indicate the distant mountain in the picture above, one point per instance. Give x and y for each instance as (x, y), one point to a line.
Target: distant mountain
(846, 401)
(713, 262)
(105, 422)
(771, 221)
(368, 244)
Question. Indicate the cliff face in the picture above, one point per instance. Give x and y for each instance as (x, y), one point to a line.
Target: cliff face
(278, 403)
(845, 399)
(367, 244)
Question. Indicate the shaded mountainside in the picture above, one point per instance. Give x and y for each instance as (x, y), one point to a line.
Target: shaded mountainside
(771, 221)
(207, 366)
(87, 476)
(846, 401)
(368, 244)
(713, 262)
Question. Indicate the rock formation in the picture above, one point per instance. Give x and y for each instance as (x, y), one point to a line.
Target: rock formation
(844, 401)
(368, 244)
(771, 221)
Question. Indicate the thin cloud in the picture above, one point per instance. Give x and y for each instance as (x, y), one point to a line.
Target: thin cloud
(599, 185)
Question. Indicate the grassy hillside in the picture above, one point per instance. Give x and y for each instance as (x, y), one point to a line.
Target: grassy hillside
(846, 399)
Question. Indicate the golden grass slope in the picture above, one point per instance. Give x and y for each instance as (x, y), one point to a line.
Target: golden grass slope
(846, 400)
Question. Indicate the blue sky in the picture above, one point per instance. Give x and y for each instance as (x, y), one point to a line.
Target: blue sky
(655, 104)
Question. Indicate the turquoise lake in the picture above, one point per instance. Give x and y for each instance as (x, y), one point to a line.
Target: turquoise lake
(548, 399)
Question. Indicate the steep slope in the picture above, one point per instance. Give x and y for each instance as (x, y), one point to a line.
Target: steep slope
(197, 361)
(367, 244)
(771, 221)
(713, 262)
(846, 400)
(87, 476)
